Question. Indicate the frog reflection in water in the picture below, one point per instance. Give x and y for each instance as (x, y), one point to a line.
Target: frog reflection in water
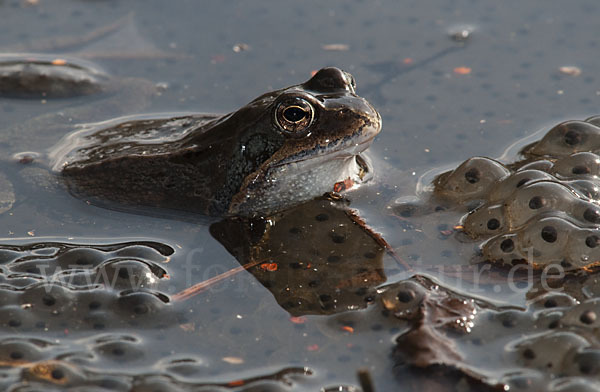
(284, 147)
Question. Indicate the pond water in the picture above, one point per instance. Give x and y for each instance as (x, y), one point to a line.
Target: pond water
(443, 98)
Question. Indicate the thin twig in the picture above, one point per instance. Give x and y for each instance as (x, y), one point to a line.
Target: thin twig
(202, 286)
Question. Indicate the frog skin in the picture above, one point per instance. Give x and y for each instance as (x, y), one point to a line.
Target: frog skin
(283, 148)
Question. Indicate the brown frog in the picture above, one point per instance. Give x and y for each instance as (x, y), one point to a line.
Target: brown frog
(283, 148)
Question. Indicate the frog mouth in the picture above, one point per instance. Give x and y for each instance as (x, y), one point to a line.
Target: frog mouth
(342, 148)
(322, 154)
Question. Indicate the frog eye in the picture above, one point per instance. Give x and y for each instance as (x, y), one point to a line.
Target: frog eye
(295, 117)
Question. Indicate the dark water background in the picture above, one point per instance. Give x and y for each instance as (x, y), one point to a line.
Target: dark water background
(404, 62)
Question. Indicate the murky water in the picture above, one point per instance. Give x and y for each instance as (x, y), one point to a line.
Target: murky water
(442, 100)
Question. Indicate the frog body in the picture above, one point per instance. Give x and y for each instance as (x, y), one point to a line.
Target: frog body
(284, 147)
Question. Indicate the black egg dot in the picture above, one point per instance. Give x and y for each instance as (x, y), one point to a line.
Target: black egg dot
(406, 210)
(325, 297)
(322, 217)
(585, 368)
(554, 324)
(140, 309)
(580, 170)
(522, 182)
(507, 245)
(550, 303)
(313, 283)
(537, 202)
(14, 323)
(48, 300)
(94, 305)
(549, 234)
(406, 296)
(295, 265)
(361, 291)
(572, 138)
(369, 255)
(473, 175)
(528, 353)
(333, 259)
(592, 241)
(565, 264)
(16, 355)
(124, 273)
(509, 322)
(118, 351)
(493, 224)
(295, 230)
(591, 215)
(57, 374)
(588, 317)
(338, 238)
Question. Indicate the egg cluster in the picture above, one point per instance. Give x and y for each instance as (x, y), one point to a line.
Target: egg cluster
(552, 345)
(73, 316)
(48, 286)
(541, 210)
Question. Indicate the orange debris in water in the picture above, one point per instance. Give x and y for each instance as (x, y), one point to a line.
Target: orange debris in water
(348, 328)
(462, 70)
(313, 347)
(343, 185)
(217, 59)
(236, 383)
(298, 320)
(59, 62)
(269, 266)
(408, 60)
(313, 72)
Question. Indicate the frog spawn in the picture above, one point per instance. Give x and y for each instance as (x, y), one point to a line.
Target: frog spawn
(47, 285)
(541, 210)
(551, 345)
(73, 313)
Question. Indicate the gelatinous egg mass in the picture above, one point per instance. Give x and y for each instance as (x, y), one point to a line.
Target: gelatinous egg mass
(542, 209)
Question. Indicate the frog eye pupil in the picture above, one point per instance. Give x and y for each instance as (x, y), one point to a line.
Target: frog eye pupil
(294, 114)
